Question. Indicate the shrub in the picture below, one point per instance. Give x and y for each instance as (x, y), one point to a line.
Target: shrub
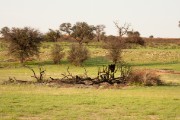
(78, 54)
(134, 37)
(114, 47)
(144, 77)
(57, 53)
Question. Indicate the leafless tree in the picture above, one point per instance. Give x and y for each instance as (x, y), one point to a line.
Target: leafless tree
(39, 78)
(122, 30)
(99, 31)
(114, 47)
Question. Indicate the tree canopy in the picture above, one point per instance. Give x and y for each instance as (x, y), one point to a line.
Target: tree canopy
(23, 42)
(66, 27)
(99, 31)
(82, 31)
(52, 35)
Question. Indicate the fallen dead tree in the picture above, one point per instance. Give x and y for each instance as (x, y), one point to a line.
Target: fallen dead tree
(111, 75)
(16, 81)
(106, 74)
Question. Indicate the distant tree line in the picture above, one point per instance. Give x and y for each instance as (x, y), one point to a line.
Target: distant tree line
(25, 42)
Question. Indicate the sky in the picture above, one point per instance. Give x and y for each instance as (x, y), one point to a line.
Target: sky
(159, 18)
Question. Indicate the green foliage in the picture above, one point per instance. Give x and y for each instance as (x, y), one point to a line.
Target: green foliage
(78, 54)
(57, 53)
(23, 42)
(52, 35)
(82, 31)
(66, 27)
(136, 103)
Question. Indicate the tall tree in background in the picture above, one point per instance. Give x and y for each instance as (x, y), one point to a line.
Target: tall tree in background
(66, 27)
(52, 35)
(81, 31)
(134, 37)
(23, 42)
(122, 30)
(4, 31)
(179, 23)
(99, 32)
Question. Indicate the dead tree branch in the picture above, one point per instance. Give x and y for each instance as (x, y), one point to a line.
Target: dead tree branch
(41, 73)
(68, 76)
(122, 30)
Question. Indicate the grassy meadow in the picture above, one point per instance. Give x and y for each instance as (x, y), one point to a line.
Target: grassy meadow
(135, 103)
(36, 102)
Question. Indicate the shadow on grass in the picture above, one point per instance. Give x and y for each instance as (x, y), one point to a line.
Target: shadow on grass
(96, 61)
(91, 62)
(63, 62)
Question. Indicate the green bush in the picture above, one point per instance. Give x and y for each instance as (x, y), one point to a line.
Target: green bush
(57, 53)
(78, 54)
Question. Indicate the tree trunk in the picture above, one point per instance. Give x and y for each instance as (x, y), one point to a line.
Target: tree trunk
(21, 58)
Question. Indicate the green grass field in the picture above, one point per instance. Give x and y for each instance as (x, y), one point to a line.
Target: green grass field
(36, 102)
(136, 103)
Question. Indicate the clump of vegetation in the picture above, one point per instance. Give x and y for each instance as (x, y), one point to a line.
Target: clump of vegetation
(78, 54)
(52, 35)
(83, 32)
(107, 74)
(23, 42)
(57, 53)
(144, 77)
(114, 47)
(100, 34)
(134, 37)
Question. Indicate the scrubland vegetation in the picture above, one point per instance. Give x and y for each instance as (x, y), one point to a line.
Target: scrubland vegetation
(83, 52)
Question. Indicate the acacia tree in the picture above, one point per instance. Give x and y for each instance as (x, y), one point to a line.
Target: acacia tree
(52, 35)
(66, 27)
(99, 32)
(81, 31)
(23, 42)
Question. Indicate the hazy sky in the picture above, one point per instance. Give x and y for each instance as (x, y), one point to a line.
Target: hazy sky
(149, 17)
